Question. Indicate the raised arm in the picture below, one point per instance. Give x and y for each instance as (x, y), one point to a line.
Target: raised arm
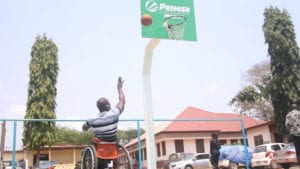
(121, 102)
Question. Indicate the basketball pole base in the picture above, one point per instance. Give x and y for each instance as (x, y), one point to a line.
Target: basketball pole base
(148, 114)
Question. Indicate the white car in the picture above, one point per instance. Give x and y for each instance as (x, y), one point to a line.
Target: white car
(198, 161)
(7, 164)
(286, 157)
(262, 155)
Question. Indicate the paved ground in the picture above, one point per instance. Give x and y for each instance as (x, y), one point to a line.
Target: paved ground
(298, 167)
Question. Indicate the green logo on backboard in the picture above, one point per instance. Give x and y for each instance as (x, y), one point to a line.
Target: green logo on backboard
(151, 6)
(171, 19)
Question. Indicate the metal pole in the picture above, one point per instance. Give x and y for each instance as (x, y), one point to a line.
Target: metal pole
(2, 141)
(139, 144)
(245, 145)
(14, 145)
(150, 141)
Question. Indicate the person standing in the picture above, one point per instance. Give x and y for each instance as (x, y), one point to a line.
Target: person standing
(292, 124)
(214, 150)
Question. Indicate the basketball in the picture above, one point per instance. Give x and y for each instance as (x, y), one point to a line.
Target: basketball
(146, 20)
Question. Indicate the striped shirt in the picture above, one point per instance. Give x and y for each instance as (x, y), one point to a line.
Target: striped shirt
(105, 125)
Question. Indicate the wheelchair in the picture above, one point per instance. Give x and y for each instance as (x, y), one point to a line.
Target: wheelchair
(100, 155)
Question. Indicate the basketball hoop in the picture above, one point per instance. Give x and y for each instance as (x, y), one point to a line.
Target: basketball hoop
(175, 26)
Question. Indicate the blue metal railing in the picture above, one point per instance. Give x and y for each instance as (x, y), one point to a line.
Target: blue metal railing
(138, 129)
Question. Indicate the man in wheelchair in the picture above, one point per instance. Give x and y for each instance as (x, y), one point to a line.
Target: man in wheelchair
(104, 145)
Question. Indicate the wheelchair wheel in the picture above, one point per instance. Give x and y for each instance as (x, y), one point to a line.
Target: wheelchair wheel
(88, 159)
(127, 156)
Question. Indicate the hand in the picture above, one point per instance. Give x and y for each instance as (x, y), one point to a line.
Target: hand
(120, 83)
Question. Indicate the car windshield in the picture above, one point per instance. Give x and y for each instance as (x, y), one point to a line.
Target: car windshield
(45, 164)
(187, 156)
(275, 147)
(260, 149)
(173, 157)
(6, 163)
(289, 146)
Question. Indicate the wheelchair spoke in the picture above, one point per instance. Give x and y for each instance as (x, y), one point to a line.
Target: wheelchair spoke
(88, 159)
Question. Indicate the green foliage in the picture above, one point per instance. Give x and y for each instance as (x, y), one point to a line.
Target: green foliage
(67, 135)
(284, 52)
(42, 92)
(129, 134)
(253, 100)
(247, 94)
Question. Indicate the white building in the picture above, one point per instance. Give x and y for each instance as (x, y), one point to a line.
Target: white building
(194, 136)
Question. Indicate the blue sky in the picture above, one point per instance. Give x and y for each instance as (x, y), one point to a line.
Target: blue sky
(101, 40)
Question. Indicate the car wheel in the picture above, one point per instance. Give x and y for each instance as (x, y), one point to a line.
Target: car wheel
(285, 166)
(257, 167)
(233, 165)
(188, 167)
(273, 165)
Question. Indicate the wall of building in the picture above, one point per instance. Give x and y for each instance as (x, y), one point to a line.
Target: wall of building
(261, 130)
(7, 155)
(207, 145)
(189, 145)
(63, 158)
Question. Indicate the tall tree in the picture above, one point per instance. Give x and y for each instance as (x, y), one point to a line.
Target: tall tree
(253, 100)
(42, 92)
(285, 63)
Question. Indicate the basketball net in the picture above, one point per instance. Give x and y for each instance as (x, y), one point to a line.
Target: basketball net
(175, 26)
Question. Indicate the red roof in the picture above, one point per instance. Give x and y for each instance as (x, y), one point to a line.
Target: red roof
(202, 120)
(198, 120)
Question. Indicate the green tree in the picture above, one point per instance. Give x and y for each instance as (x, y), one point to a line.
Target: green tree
(129, 134)
(42, 92)
(253, 100)
(67, 135)
(284, 58)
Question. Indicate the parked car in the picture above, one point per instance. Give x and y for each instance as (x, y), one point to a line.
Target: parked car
(262, 155)
(7, 164)
(46, 164)
(164, 164)
(21, 164)
(286, 157)
(198, 161)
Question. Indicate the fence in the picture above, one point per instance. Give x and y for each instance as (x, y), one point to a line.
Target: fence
(138, 124)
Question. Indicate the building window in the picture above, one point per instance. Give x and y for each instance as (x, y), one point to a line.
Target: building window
(158, 149)
(222, 142)
(233, 141)
(145, 154)
(199, 146)
(179, 146)
(163, 144)
(136, 154)
(242, 142)
(42, 157)
(258, 140)
(142, 154)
